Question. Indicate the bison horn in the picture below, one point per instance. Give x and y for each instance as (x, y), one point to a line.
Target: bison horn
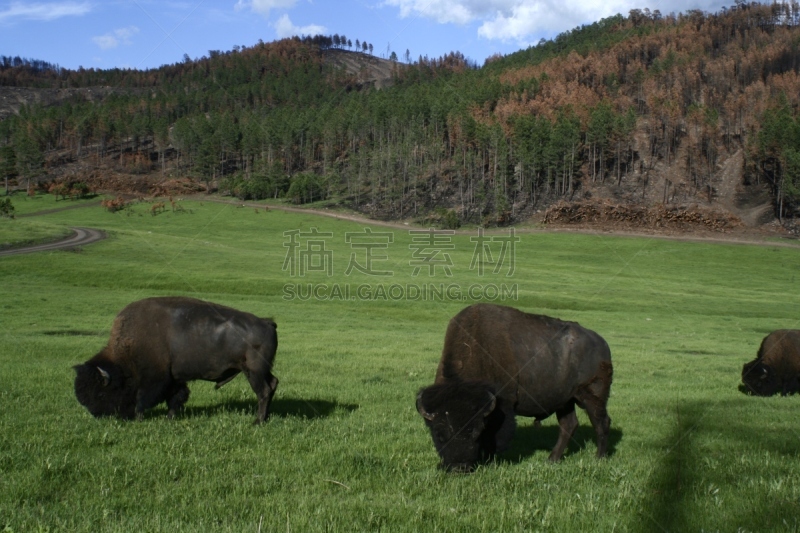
(421, 408)
(106, 376)
(492, 404)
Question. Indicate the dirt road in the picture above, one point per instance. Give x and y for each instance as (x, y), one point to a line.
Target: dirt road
(751, 239)
(79, 237)
(88, 235)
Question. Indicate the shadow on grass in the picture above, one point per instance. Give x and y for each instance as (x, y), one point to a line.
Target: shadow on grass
(74, 333)
(682, 482)
(315, 408)
(529, 439)
(747, 392)
(279, 408)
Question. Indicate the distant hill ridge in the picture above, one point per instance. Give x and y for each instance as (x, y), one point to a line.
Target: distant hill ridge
(693, 109)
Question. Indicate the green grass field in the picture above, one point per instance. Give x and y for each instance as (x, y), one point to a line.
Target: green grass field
(345, 449)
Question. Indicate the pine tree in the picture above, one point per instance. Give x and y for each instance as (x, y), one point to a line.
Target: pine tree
(8, 164)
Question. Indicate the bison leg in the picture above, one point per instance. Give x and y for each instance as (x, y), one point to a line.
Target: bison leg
(568, 422)
(601, 422)
(790, 386)
(273, 386)
(153, 395)
(593, 397)
(178, 396)
(264, 387)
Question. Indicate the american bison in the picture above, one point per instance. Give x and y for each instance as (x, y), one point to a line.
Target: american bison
(499, 362)
(159, 344)
(776, 368)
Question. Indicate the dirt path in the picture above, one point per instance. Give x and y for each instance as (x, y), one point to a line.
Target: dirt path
(727, 239)
(730, 179)
(730, 176)
(79, 237)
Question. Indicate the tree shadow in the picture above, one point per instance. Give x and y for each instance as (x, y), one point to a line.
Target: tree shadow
(672, 489)
(279, 408)
(528, 439)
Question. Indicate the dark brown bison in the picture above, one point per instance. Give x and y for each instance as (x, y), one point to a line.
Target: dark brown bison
(776, 368)
(499, 362)
(159, 344)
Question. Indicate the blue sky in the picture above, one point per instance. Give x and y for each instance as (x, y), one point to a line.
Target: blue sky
(149, 33)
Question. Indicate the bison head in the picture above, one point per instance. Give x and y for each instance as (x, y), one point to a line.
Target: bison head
(759, 378)
(468, 422)
(103, 389)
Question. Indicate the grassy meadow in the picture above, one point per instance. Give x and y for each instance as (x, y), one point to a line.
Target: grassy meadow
(345, 449)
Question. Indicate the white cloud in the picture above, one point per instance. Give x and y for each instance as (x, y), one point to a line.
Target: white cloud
(116, 37)
(525, 20)
(457, 12)
(44, 11)
(285, 28)
(105, 41)
(263, 7)
(546, 17)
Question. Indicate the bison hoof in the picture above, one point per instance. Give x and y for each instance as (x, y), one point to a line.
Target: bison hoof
(459, 468)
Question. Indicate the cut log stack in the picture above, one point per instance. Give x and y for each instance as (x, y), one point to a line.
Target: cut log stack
(632, 216)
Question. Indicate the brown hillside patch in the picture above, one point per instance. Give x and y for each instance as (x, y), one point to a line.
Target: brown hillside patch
(628, 217)
(367, 69)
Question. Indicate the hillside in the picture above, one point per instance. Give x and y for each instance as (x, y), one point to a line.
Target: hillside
(14, 99)
(696, 113)
(368, 70)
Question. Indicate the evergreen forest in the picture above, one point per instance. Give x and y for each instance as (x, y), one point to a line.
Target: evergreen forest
(643, 108)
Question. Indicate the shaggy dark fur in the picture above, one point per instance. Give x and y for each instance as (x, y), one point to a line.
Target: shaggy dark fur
(157, 345)
(776, 368)
(499, 362)
(111, 396)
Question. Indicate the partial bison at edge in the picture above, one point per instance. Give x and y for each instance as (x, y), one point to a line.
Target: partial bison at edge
(157, 345)
(499, 362)
(776, 368)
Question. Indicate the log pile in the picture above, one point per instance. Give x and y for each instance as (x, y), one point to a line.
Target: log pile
(139, 185)
(177, 186)
(680, 218)
(100, 180)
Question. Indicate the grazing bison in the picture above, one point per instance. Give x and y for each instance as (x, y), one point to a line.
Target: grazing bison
(499, 362)
(158, 344)
(777, 366)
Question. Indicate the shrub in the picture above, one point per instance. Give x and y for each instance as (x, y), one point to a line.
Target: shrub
(257, 187)
(74, 189)
(79, 190)
(307, 187)
(58, 189)
(6, 208)
(114, 204)
(446, 218)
